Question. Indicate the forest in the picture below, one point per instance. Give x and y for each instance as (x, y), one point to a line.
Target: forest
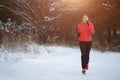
(55, 22)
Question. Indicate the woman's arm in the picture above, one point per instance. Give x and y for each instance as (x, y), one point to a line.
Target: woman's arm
(92, 28)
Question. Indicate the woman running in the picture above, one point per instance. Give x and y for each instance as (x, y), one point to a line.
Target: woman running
(85, 32)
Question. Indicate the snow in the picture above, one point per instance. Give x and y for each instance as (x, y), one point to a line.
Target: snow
(107, 5)
(57, 63)
(47, 18)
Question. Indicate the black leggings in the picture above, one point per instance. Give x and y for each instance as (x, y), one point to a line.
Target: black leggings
(85, 51)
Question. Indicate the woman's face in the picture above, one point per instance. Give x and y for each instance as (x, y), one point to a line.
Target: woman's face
(85, 18)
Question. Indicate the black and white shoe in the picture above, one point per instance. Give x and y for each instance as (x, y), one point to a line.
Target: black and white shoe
(83, 71)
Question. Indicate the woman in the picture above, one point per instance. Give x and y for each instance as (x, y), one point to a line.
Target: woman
(85, 32)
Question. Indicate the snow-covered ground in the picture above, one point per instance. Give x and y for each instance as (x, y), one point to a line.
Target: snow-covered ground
(57, 63)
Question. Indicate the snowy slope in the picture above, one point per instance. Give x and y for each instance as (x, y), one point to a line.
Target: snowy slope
(57, 63)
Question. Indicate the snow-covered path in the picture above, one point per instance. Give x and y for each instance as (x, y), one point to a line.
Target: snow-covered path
(59, 63)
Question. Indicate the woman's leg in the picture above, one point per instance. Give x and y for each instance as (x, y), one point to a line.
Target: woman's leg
(83, 54)
(85, 48)
(88, 48)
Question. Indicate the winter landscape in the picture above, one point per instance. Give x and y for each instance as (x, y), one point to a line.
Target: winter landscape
(39, 39)
(58, 63)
